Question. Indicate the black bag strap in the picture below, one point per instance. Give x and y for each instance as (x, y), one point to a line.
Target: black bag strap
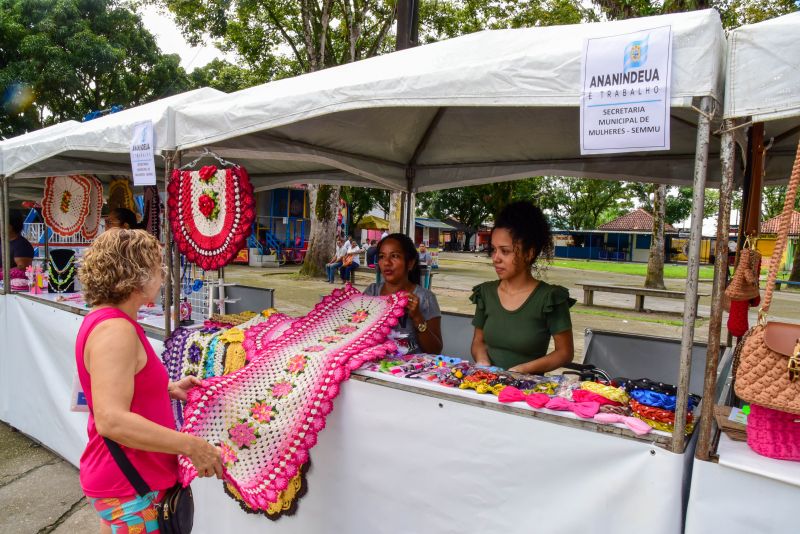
(127, 468)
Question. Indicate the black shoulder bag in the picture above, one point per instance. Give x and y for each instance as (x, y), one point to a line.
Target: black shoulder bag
(175, 511)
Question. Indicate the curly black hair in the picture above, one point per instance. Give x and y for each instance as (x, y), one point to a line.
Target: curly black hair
(409, 252)
(529, 229)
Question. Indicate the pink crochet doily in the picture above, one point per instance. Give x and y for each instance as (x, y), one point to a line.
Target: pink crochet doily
(266, 416)
(210, 212)
(65, 203)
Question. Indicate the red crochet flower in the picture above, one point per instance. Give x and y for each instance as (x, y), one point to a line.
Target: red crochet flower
(206, 203)
(207, 173)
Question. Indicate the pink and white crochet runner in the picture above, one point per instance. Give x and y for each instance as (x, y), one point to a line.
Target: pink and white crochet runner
(266, 416)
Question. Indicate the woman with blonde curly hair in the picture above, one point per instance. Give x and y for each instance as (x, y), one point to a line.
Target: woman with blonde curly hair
(127, 387)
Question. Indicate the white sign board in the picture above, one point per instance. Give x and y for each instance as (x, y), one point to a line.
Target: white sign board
(142, 163)
(625, 82)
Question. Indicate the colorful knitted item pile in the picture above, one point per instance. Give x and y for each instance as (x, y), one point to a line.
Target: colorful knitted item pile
(266, 416)
(211, 211)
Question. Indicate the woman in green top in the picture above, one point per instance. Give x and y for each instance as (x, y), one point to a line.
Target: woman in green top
(516, 315)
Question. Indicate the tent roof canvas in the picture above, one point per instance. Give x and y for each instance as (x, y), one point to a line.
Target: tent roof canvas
(490, 106)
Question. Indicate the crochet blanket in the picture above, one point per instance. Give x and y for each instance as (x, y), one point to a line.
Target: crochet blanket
(266, 416)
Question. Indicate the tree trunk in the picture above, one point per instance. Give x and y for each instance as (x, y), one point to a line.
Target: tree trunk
(795, 276)
(395, 211)
(322, 244)
(655, 264)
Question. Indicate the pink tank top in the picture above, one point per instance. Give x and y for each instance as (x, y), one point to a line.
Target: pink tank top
(100, 476)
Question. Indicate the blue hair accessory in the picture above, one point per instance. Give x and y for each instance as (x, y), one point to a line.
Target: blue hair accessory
(661, 400)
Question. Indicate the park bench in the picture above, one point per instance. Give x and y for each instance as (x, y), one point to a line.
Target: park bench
(787, 282)
(639, 292)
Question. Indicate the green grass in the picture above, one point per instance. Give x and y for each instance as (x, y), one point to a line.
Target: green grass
(670, 322)
(638, 269)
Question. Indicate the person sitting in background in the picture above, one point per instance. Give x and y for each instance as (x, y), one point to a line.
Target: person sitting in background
(516, 316)
(372, 254)
(21, 248)
(425, 258)
(122, 218)
(335, 262)
(422, 323)
(351, 260)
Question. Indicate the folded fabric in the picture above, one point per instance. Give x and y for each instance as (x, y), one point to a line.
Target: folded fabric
(586, 410)
(512, 394)
(636, 425)
(664, 427)
(583, 395)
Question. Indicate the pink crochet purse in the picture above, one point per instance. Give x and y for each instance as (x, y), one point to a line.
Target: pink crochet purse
(768, 363)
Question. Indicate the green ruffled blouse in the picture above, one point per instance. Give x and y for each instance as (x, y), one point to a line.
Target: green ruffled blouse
(519, 336)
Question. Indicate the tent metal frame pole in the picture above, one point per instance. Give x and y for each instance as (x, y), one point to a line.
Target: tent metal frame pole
(6, 250)
(728, 159)
(692, 273)
(168, 165)
(176, 259)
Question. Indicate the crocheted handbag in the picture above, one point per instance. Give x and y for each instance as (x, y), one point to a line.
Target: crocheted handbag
(773, 433)
(211, 212)
(265, 417)
(769, 361)
(744, 285)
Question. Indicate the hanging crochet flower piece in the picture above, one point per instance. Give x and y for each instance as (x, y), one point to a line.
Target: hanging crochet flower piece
(66, 203)
(269, 414)
(211, 211)
(92, 222)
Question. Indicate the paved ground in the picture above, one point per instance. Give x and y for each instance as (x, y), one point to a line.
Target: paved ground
(39, 492)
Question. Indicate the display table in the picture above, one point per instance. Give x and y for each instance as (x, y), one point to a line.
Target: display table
(396, 456)
(743, 493)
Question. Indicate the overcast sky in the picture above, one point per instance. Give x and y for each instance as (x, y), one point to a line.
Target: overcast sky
(170, 40)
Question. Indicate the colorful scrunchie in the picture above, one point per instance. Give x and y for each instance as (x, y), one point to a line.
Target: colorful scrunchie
(660, 400)
(512, 394)
(586, 410)
(664, 427)
(584, 395)
(638, 426)
(610, 392)
(482, 387)
(657, 414)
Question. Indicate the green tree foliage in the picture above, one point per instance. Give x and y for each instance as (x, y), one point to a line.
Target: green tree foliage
(223, 76)
(679, 201)
(577, 203)
(362, 200)
(772, 199)
(76, 56)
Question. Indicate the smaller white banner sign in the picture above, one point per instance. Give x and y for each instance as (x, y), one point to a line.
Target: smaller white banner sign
(142, 162)
(625, 83)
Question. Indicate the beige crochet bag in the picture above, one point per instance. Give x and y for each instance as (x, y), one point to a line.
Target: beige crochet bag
(768, 371)
(744, 284)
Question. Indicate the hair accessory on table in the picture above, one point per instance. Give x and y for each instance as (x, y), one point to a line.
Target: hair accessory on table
(661, 400)
(638, 426)
(618, 410)
(657, 414)
(610, 392)
(584, 395)
(645, 383)
(664, 427)
(586, 410)
(512, 394)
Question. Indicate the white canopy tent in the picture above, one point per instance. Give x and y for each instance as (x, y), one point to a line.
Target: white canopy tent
(491, 106)
(761, 86)
(101, 146)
